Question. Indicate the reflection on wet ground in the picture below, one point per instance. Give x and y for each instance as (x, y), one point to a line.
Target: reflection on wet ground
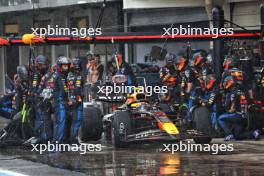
(247, 159)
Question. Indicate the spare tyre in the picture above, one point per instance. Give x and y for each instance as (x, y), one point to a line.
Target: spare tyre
(92, 125)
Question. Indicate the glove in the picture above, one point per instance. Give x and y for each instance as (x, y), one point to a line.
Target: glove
(72, 100)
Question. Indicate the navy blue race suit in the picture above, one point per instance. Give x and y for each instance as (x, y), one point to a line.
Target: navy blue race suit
(36, 79)
(168, 76)
(44, 109)
(185, 77)
(60, 100)
(233, 121)
(211, 97)
(260, 87)
(197, 79)
(20, 98)
(240, 78)
(40, 69)
(22, 95)
(6, 109)
(75, 103)
(189, 82)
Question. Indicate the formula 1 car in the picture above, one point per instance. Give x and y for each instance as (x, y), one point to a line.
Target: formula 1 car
(141, 120)
(137, 120)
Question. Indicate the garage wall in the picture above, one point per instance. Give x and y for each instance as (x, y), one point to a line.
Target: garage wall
(141, 49)
(247, 14)
(138, 4)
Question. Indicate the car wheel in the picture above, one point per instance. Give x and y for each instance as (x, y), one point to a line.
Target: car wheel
(254, 119)
(121, 127)
(202, 123)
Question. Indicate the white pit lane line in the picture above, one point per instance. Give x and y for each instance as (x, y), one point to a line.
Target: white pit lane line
(10, 173)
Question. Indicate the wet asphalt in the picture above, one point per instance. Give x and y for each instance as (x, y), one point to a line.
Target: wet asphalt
(246, 159)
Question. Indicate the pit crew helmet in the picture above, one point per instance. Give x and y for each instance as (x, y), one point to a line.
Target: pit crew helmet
(198, 58)
(228, 82)
(76, 64)
(210, 81)
(230, 62)
(170, 58)
(181, 62)
(41, 63)
(62, 60)
(22, 72)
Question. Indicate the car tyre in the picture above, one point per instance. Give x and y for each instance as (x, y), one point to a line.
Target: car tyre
(121, 120)
(92, 125)
(202, 123)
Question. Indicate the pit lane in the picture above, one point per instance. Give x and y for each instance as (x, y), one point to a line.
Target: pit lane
(139, 159)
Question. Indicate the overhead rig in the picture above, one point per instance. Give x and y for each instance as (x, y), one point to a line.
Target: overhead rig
(118, 37)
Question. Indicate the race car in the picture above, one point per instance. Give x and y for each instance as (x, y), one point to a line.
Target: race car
(138, 120)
